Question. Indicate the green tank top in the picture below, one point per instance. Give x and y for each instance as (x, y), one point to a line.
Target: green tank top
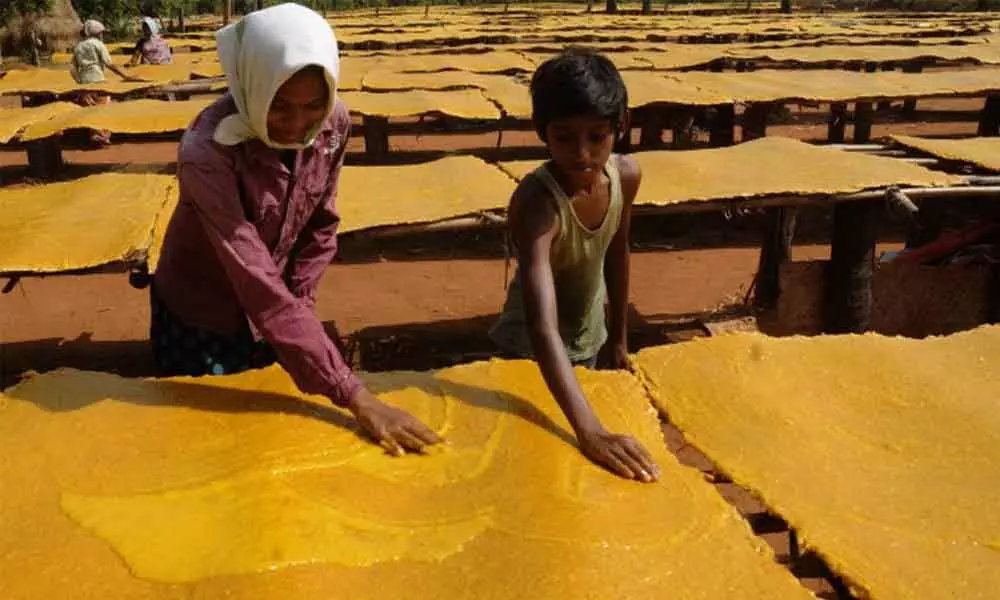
(577, 259)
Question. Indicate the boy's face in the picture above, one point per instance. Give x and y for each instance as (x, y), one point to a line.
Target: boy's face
(580, 146)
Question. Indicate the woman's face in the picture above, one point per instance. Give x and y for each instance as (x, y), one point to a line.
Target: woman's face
(298, 107)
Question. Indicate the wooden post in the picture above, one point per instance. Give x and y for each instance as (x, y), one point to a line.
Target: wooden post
(722, 126)
(376, 136)
(755, 120)
(45, 158)
(683, 130)
(910, 104)
(227, 11)
(862, 122)
(848, 296)
(180, 20)
(651, 129)
(994, 314)
(777, 232)
(836, 130)
(989, 118)
(885, 105)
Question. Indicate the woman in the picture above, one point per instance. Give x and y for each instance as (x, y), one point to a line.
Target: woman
(151, 49)
(91, 57)
(256, 223)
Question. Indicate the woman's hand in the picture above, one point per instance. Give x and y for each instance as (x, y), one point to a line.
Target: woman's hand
(621, 454)
(395, 430)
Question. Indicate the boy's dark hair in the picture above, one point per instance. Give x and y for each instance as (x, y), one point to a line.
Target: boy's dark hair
(577, 82)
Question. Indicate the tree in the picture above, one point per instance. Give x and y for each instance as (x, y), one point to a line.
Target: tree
(30, 26)
(786, 6)
(11, 8)
(117, 16)
(647, 7)
(611, 7)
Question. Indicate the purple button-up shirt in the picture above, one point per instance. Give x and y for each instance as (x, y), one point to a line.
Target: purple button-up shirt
(250, 240)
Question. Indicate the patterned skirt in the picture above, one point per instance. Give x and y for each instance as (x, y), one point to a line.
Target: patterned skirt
(179, 349)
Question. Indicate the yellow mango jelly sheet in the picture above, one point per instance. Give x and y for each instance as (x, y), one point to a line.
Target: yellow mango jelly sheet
(379, 196)
(133, 116)
(883, 453)
(13, 120)
(79, 224)
(59, 81)
(241, 486)
(463, 104)
(747, 171)
(981, 151)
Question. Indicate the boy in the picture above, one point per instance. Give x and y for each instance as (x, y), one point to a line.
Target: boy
(569, 222)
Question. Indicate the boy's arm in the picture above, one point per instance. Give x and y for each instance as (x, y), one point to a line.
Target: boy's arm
(616, 270)
(533, 226)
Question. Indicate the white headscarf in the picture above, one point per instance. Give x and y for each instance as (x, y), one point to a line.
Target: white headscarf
(259, 54)
(92, 28)
(154, 27)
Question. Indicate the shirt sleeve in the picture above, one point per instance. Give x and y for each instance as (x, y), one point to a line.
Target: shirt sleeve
(285, 321)
(317, 244)
(105, 56)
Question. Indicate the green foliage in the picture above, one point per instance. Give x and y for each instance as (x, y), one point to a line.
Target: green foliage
(118, 16)
(10, 8)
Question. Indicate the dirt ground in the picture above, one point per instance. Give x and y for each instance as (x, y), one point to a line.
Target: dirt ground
(407, 288)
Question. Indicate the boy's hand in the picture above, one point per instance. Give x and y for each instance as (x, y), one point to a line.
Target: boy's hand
(621, 454)
(614, 357)
(395, 430)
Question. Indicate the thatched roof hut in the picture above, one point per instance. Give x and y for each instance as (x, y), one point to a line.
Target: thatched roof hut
(57, 30)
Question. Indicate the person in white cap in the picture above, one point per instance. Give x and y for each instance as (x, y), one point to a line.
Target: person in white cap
(91, 57)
